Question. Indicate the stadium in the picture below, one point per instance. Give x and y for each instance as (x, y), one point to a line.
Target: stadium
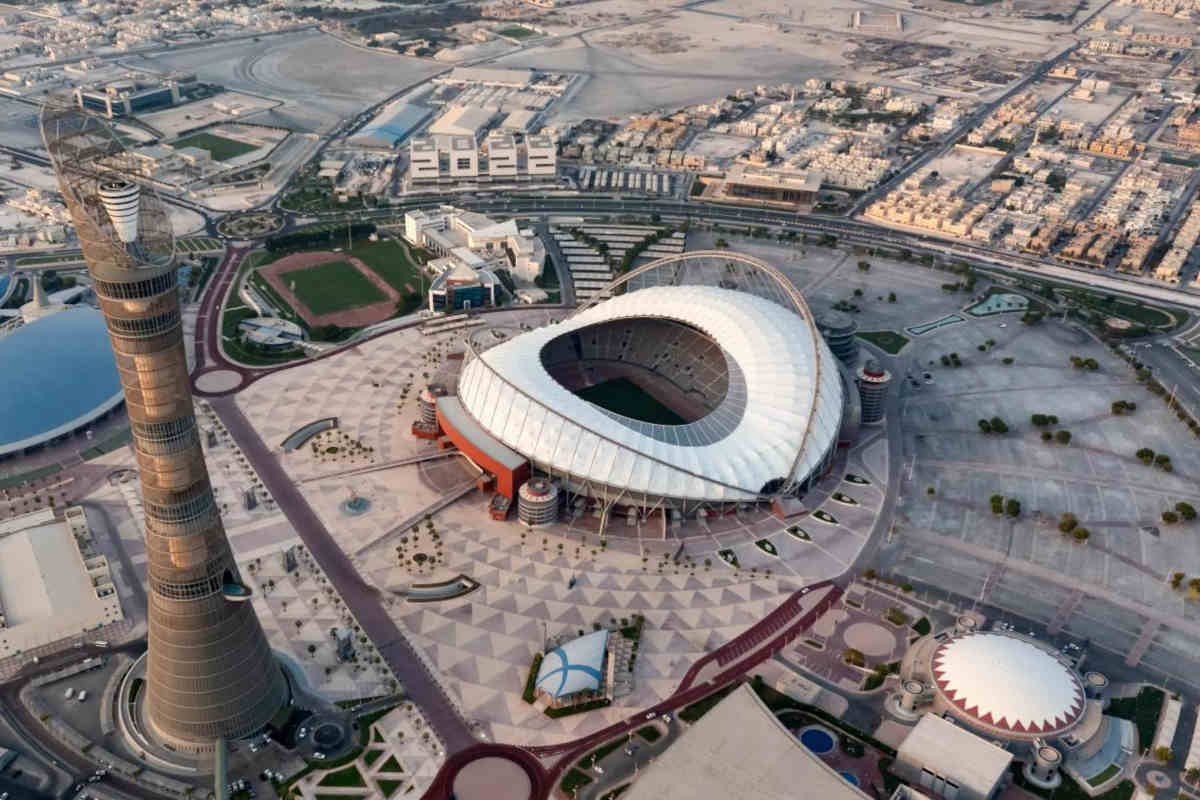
(696, 382)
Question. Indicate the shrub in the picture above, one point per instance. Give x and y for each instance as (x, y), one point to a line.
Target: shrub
(1068, 522)
(1047, 436)
(1063, 437)
(985, 426)
(1186, 510)
(1013, 507)
(1170, 517)
(1081, 534)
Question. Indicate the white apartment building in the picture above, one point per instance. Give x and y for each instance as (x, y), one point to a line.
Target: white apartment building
(464, 157)
(502, 156)
(540, 155)
(424, 160)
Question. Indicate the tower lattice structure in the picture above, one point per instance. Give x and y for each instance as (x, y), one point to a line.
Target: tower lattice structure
(210, 671)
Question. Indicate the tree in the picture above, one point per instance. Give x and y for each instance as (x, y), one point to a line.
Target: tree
(1047, 436)
(1068, 522)
(312, 649)
(1063, 437)
(1186, 510)
(891, 297)
(721, 244)
(1013, 507)
(864, 266)
(985, 426)
(1163, 754)
(1145, 455)
(1170, 517)
(1039, 420)
(1176, 580)
(998, 425)
(854, 658)
(1081, 534)
(1192, 775)
(858, 292)
(870, 573)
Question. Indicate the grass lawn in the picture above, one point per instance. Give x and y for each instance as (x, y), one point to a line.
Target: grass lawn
(388, 787)
(574, 779)
(517, 32)
(649, 733)
(335, 286)
(624, 397)
(221, 148)
(24, 477)
(371, 756)
(922, 626)
(1143, 710)
(889, 342)
(701, 707)
(391, 261)
(1107, 774)
(391, 765)
(350, 776)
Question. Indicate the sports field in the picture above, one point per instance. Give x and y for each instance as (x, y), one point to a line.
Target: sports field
(221, 148)
(391, 261)
(333, 286)
(624, 397)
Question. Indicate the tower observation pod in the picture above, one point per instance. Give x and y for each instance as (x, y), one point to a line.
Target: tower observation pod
(210, 672)
(120, 199)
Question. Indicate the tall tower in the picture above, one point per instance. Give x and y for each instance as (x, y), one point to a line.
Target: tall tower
(210, 672)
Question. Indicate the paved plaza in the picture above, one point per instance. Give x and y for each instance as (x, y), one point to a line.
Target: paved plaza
(482, 644)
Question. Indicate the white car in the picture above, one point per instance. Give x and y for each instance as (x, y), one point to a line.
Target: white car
(651, 715)
(319, 756)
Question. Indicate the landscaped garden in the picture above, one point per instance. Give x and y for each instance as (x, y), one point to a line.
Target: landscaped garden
(889, 342)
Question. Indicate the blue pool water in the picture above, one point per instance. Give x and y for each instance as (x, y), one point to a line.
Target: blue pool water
(850, 778)
(818, 740)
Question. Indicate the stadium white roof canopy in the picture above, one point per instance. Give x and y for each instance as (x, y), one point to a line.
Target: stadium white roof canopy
(574, 667)
(781, 414)
(1008, 684)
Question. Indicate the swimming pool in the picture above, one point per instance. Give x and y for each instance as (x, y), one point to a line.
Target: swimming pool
(817, 739)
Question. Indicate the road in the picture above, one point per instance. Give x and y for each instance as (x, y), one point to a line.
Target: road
(49, 749)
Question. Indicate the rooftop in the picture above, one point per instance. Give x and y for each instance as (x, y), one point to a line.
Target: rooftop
(574, 667)
(740, 749)
(958, 754)
(1008, 684)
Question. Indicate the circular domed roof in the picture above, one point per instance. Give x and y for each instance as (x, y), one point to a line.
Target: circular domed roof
(1008, 685)
(64, 364)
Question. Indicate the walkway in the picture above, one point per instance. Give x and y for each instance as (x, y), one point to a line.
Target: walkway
(461, 490)
(363, 600)
(400, 462)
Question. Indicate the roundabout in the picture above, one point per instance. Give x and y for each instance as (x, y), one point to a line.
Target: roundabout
(250, 226)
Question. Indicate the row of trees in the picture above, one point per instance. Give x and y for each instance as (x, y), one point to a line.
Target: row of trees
(1089, 364)
(1062, 437)
(993, 425)
(1069, 526)
(307, 240)
(1011, 506)
(1160, 460)
(1042, 420)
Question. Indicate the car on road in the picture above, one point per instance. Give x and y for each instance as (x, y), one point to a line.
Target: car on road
(651, 715)
(319, 756)
(666, 718)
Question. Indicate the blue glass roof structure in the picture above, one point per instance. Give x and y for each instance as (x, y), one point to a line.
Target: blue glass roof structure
(397, 127)
(574, 667)
(57, 374)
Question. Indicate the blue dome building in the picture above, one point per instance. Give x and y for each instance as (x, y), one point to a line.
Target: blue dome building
(59, 377)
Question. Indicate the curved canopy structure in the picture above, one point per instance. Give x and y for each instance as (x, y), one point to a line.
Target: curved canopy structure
(757, 395)
(575, 667)
(58, 375)
(1008, 685)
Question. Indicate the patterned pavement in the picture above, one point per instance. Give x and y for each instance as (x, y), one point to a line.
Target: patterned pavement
(481, 644)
